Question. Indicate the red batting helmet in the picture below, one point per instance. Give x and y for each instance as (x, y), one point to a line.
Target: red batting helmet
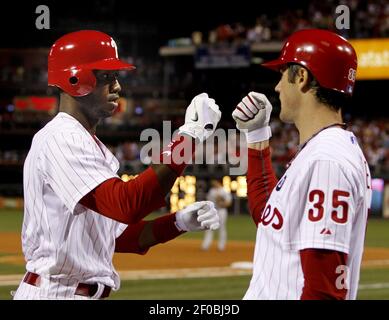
(73, 57)
(329, 57)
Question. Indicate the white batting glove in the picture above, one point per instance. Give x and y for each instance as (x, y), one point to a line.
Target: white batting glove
(252, 116)
(201, 117)
(198, 216)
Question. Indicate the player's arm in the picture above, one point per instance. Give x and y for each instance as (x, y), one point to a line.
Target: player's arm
(139, 237)
(129, 202)
(261, 180)
(252, 117)
(321, 274)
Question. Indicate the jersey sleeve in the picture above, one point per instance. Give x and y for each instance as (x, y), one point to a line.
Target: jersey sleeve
(120, 227)
(73, 165)
(321, 209)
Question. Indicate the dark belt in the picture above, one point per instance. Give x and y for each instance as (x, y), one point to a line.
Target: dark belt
(83, 289)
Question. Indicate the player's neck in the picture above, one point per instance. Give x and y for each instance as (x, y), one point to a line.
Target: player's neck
(70, 107)
(314, 118)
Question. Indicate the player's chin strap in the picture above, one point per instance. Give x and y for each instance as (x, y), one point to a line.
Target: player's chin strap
(302, 146)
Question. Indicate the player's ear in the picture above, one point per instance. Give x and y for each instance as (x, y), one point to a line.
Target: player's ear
(303, 79)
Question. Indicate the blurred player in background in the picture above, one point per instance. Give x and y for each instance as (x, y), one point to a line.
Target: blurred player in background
(311, 224)
(222, 200)
(78, 212)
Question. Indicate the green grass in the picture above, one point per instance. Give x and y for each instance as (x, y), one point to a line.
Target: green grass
(5, 292)
(184, 289)
(10, 220)
(6, 268)
(373, 294)
(374, 276)
(377, 234)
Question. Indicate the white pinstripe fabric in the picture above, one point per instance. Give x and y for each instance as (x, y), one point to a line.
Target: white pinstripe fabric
(63, 241)
(330, 161)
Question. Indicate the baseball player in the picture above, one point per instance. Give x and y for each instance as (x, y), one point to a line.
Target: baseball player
(78, 212)
(222, 200)
(311, 223)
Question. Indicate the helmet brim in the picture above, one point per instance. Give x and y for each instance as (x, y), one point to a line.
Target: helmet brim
(109, 64)
(275, 65)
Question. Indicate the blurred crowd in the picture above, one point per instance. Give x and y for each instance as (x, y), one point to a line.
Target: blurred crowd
(374, 138)
(368, 19)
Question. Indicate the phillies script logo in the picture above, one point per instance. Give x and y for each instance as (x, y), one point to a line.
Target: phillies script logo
(273, 217)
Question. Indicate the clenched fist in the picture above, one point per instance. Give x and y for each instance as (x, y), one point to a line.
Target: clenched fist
(252, 116)
(201, 118)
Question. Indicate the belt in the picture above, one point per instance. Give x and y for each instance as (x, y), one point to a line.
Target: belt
(83, 289)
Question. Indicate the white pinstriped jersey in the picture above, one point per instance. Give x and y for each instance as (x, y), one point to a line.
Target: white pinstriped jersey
(63, 241)
(322, 202)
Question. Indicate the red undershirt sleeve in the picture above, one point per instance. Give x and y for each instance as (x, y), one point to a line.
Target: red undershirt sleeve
(321, 280)
(126, 202)
(163, 230)
(261, 180)
(128, 241)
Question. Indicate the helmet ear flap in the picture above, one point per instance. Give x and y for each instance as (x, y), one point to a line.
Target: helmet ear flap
(80, 82)
(76, 82)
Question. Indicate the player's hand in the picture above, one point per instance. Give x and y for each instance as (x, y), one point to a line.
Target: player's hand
(252, 116)
(198, 216)
(201, 117)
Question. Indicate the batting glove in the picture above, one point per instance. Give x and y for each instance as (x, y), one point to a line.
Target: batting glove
(201, 118)
(198, 216)
(252, 116)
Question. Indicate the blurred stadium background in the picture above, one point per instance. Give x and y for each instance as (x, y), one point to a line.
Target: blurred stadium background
(179, 52)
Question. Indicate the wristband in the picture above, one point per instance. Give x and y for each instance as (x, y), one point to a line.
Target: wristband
(178, 153)
(258, 135)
